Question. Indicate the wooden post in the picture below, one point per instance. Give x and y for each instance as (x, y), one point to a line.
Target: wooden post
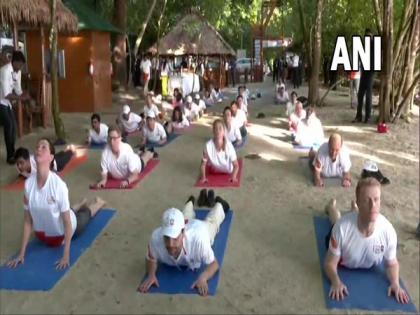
(19, 104)
(43, 78)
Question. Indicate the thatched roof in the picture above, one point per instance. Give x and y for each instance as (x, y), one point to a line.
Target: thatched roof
(34, 13)
(193, 35)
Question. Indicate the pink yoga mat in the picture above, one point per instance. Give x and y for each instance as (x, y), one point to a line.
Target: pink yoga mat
(221, 179)
(113, 183)
(19, 183)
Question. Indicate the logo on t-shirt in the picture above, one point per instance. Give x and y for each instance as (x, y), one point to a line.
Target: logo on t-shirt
(378, 249)
(50, 200)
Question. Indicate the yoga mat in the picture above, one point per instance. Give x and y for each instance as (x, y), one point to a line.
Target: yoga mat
(299, 147)
(220, 179)
(115, 183)
(170, 138)
(19, 183)
(175, 281)
(368, 288)
(328, 182)
(38, 273)
(97, 146)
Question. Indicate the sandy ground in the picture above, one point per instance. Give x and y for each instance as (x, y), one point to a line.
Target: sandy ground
(271, 264)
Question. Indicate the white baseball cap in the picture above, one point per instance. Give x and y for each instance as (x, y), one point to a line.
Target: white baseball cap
(189, 99)
(151, 114)
(172, 222)
(370, 166)
(126, 109)
(197, 96)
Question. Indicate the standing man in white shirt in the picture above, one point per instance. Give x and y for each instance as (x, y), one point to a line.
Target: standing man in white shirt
(183, 240)
(362, 238)
(332, 160)
(146, 67)
(295, 66)
(10, 90)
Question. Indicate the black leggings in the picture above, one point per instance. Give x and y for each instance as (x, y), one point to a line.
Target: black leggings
(83, 217)
(62, 158)
(327, 238)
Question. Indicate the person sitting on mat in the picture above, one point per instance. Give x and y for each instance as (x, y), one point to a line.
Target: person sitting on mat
(153, 132)
(309, 131)
(128, 121)
(26, 163)
(298, 115)
(177, 98)
(220, 154)
(178, 121)
(239, 118)
(191, 109)
(282, 97)
(183, 240)
(362, 238)
(331, 160)
(232, 131)
(201, 104)
(241, 104)
(119, 161)
(47, 208)
(98, 134)
(150, 105)
(291, 105)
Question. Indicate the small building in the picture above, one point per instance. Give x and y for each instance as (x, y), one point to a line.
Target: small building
(86, 84)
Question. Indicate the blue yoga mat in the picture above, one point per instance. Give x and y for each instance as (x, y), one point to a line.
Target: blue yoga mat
(38, 273)
(306, 148)
(179, 281)
(368, 288)
(171, 138)
(97, 146)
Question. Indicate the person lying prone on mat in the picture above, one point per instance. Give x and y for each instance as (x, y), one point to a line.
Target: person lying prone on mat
(128, 122)
(219, 154)
(331, 160)
(153, 131)
(47, 208)
(98, 133)
(239, 118)
(178, 121)
(26, 164)
(309, 131)
(119, 160)
(183, 240)
(232, 131)
(362, 238)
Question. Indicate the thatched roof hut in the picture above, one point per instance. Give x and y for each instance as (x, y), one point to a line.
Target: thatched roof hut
(35, 13)
(193, 35)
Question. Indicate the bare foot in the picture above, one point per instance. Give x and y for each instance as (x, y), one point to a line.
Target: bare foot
(100, 201)
(332, 211)
(77, 206)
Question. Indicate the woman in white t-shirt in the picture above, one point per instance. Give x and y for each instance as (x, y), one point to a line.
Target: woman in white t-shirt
(99, 131)
(47, 208)
(219, 154)
(239, 118)
(232, 131)
(282, 97)
(153, 132)
(298, 115)
(178, 121)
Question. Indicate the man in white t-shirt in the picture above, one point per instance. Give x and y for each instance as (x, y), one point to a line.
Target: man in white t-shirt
(145, 67)
(239, 118)
(128, 121)
(150, 105)
(119, 160)
(201, 104)
(332, 160)
(98, 134)
(362, 238)
(183, 240)
(153, 131)
(191, 109)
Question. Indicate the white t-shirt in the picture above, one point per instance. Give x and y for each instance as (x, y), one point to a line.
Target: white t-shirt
(233, 134)
(295, 61)
(145, 66)
(221, 161)
(9, 82)
(201, 104)
(120, 168)
(341, 165)
(46, 205)
(155, 135)
(132, 124)
(358, 251)
(284, 98)
(196, 248)
(154, 109)
(34, 168)
(101, 137)
(239, 119)
(183, 124)
(295, 118)
(310, 131)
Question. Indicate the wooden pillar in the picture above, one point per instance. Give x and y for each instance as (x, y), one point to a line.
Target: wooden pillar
(19, 105)
(43, 78)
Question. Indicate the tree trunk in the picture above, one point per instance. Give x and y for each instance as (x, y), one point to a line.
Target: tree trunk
(305, 33)
(378, 17)
(387, 36)
(157, 44)
(58, 123)
(119, 56)
(143, 27)
(313, 95)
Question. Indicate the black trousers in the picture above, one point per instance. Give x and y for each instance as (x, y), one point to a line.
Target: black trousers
(62, 158)
(365, 88)
(83, 217)
(295, 77)
(7, 119)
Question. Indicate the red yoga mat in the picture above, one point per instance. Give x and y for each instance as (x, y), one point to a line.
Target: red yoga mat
(19, 184)
(113, 183)
(220, 179)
